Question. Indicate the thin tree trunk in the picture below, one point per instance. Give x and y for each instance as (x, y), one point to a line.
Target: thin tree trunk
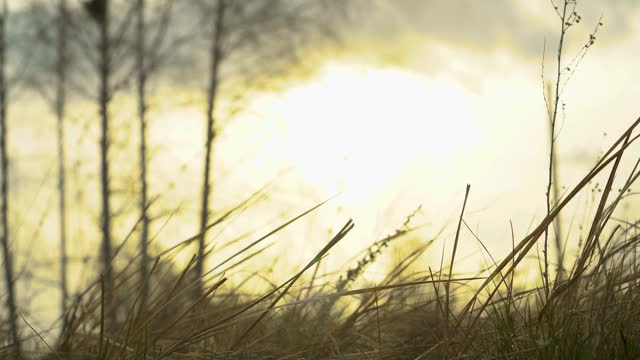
(142, 108)
(216, 52)
(60, 111)
(105, 64)
(4, 211)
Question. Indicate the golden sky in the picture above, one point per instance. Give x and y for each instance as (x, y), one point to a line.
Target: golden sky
(419, 99)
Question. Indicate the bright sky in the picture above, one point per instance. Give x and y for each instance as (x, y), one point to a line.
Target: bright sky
(412, 119)
(416, 107)
(354, 128)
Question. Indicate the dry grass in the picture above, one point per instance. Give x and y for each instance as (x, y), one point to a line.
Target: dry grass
(594, 312)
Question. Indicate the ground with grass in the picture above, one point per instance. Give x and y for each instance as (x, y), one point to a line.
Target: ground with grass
(590, 310)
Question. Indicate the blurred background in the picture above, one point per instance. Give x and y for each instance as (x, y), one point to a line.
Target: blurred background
(389, 108)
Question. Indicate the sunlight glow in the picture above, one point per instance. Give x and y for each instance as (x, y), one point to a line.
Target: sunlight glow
(354, 128)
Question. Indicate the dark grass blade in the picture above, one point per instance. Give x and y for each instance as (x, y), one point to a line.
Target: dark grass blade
(204, 333)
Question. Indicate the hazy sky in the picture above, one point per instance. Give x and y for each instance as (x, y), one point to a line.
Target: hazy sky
(420, 98)
(430, 95)
(485, 27)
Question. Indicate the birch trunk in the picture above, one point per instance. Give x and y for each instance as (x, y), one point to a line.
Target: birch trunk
(215, 57)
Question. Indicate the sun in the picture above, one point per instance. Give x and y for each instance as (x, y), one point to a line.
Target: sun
(354, 129)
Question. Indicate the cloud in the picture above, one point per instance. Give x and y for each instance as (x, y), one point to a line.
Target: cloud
(480, 26)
